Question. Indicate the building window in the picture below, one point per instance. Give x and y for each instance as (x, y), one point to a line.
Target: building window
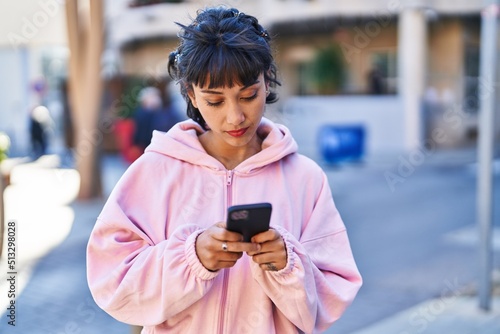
(303, 80)
(382, 72)
(471, 80)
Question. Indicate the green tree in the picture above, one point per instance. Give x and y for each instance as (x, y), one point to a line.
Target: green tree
(327, 70)
(4, 146)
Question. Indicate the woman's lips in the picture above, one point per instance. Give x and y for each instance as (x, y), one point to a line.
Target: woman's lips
(237, 133)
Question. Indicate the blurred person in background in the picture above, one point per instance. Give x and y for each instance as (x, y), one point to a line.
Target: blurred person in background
(150, 104)
(153, 113)
(168, 116)
(40, 126)
(160, 255)
(376, 81)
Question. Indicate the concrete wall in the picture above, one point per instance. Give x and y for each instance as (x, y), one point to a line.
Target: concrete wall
(381, 116)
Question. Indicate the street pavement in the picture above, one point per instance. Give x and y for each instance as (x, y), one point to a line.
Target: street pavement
(51, 292)
(413, 240)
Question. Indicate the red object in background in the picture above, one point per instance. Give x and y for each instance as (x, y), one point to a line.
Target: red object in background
(124, 132)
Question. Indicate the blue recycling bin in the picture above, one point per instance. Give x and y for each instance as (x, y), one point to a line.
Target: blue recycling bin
(341, 143)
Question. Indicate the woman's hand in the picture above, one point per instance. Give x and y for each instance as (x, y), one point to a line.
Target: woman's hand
(272, 254)
(219, 248)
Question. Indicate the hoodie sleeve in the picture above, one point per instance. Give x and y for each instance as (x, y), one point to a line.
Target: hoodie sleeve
(321, 278)
(131, 279)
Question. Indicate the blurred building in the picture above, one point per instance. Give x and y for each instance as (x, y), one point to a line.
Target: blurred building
(405, 70)
(33, 57)
(409, 69)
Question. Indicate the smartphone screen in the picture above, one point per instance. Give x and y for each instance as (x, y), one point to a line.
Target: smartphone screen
(249, 219)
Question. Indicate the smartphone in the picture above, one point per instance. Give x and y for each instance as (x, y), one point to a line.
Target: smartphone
(249, 219)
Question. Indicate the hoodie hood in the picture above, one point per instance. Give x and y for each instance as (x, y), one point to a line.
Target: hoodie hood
(182, 143)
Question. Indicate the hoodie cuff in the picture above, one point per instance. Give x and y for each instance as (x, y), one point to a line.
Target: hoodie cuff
(192, 259)
(290, 254)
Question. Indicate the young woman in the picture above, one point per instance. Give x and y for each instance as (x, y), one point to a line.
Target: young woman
(160, 255)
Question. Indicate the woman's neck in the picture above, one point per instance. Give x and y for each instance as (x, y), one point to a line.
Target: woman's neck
(229, 156)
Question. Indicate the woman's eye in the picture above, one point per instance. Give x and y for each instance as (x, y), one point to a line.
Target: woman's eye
(250, 98)
(214, 104)
(218, 103)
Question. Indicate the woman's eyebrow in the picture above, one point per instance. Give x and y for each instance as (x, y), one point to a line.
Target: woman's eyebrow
(250, 85)
(209, 91)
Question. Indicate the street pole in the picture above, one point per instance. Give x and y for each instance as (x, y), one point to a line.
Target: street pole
(487, 71)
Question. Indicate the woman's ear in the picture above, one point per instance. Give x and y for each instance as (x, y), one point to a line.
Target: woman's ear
(267, 84)
(191, 96)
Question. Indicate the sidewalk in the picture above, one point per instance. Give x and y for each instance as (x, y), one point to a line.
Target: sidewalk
(453, 308)
(53, 297)
(454, 314)
(51, 293)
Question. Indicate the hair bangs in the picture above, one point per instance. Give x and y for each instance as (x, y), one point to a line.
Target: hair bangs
(226, 67)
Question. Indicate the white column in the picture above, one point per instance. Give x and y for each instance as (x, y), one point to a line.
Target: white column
(487, 71)
(412, 53)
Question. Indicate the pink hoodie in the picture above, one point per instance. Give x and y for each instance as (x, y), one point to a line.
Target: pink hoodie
(141, 259)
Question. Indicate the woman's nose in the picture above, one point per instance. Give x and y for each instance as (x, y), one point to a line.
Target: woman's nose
(235, 115)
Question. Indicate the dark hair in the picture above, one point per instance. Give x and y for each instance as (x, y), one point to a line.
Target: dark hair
(222, 47)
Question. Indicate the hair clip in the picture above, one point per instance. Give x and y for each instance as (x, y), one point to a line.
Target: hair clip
(237, 13)
(177, 57)
(264, 34)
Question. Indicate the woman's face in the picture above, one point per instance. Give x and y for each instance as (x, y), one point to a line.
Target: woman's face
(232, 114)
